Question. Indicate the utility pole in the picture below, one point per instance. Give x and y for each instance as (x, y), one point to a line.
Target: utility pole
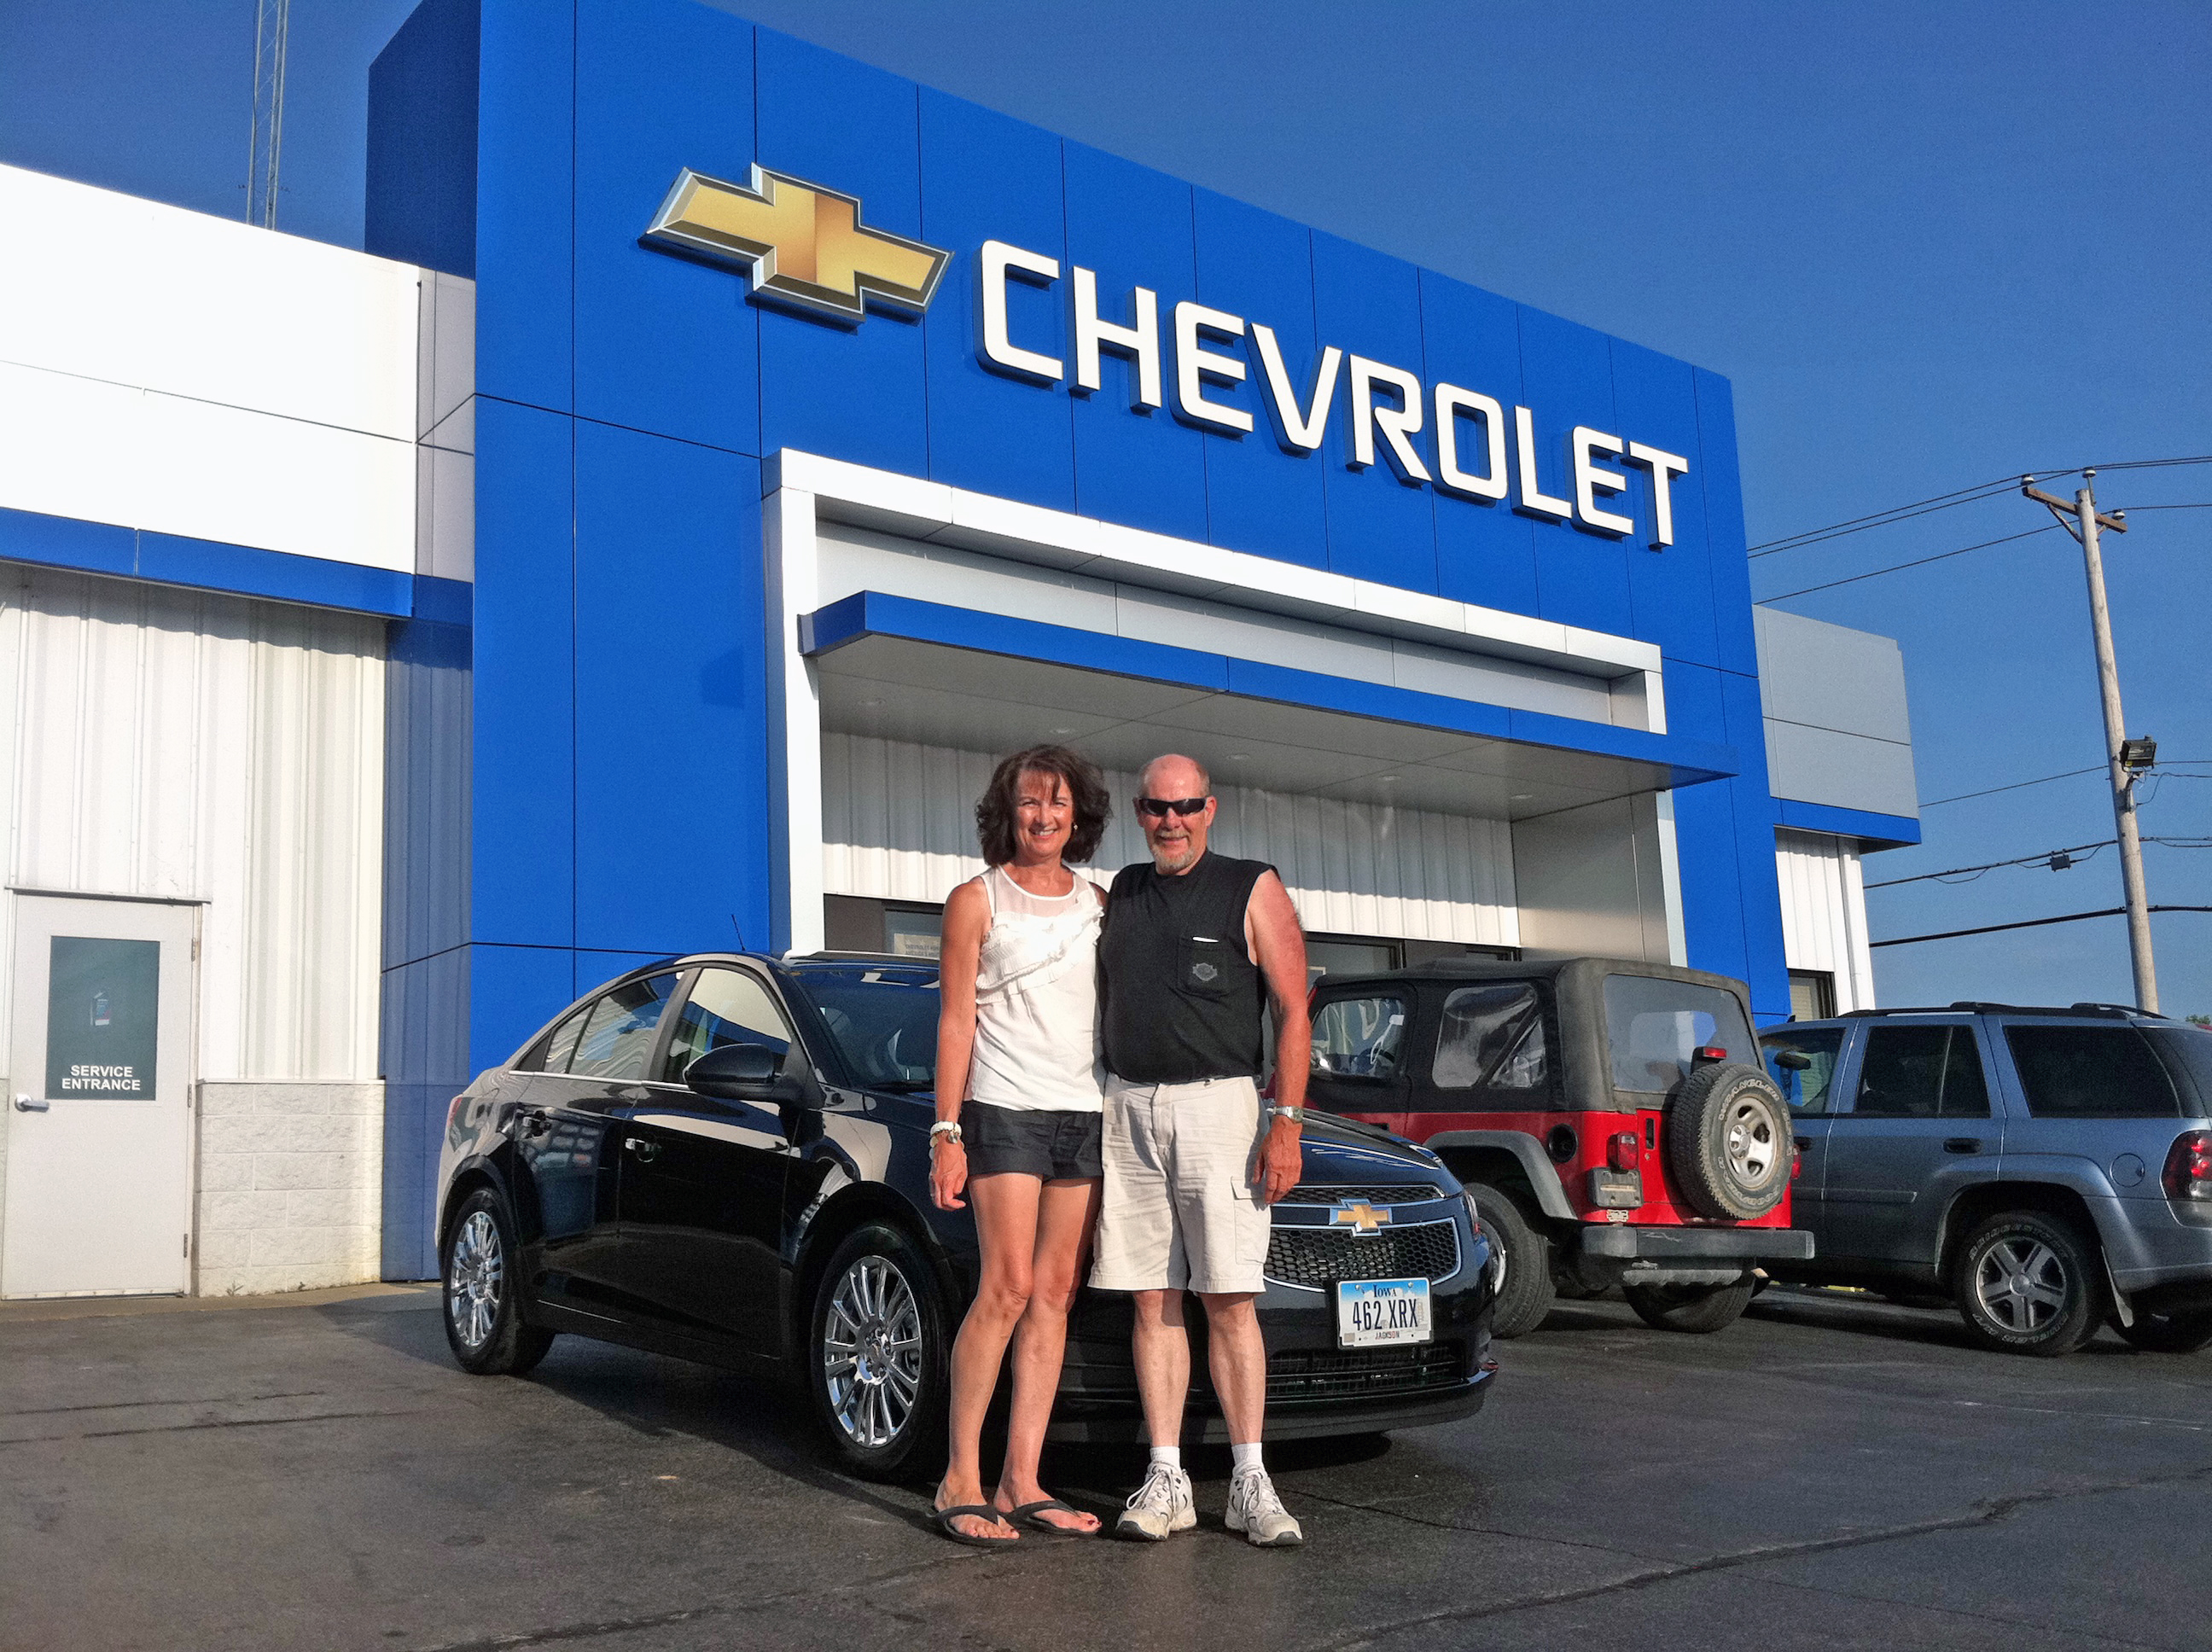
(272, 27)
(2125, 758)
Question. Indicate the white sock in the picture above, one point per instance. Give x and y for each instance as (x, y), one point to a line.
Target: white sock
(1169, 1455)
(1244, 1456)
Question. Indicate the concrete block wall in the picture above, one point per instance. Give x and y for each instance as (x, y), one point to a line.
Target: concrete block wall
(290, 1190)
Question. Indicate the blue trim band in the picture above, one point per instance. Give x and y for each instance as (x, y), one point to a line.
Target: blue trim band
(1875, 832)
(870, 613)
(241, 570)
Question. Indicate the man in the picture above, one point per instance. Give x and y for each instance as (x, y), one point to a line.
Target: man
(1191, 1163)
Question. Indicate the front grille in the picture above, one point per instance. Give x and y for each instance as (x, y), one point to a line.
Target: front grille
(1388, 1193)
(1314, 1258)
(1356, 1373)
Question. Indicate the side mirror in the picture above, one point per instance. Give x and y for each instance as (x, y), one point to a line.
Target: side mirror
(1792, 1060)
(742, 1073)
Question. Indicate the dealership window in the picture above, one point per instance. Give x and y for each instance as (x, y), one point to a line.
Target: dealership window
(1812, 994)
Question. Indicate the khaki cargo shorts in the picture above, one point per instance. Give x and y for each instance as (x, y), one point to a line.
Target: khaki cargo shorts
(1181, 1207)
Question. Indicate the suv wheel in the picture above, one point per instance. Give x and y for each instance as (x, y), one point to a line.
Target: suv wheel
(878, 1358)
(483, 1292)
(2027, 1284)
(2168, 1333)
(1700, 1309)
(1729, 1142)
(1525, 1294)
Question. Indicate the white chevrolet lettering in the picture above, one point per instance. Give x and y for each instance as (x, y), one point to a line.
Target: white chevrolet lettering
(1398, 424)
(1664, 467)
(1001, 262)
(1452, 402)
(1590, 476)
(1530, 496)
(1140, 344)
(1194, 364)
(1297, 431)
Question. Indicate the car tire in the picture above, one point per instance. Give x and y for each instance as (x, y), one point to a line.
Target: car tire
(1699, 1310)
(2027, 1283)
(1527, 1293)
(482, 1292)
(2167, 1333)
(879, 1355)
(1728, 1143)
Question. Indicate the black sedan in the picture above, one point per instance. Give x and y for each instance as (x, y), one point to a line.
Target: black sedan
(725, 1157)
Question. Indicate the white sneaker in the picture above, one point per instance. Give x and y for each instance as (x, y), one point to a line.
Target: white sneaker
(1161, 1505)
(1256, 1511)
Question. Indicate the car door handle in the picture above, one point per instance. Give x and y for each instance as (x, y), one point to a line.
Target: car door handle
(535, 1124)
(647, 1151)
(31, 1104)
(1963, 1145)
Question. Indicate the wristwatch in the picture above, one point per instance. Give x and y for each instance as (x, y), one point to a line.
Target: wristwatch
(1295, 1114)
(948, 1128)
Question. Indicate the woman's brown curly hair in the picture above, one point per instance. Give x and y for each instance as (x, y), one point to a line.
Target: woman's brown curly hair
(996, 812)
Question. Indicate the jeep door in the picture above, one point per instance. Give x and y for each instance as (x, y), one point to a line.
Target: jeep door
(702, 1178)
(1919, 1127)
(569, 1133)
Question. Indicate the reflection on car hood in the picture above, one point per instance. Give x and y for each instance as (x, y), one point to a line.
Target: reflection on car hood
(1342, 1149)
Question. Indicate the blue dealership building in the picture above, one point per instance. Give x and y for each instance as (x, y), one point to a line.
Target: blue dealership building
(792, 440)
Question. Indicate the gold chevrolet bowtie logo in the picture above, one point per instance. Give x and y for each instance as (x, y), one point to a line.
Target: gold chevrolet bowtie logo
(1358, 1213)
(803, 244)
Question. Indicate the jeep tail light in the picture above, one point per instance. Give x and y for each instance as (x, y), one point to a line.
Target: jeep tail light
(2189, 1166)
(1624, 1151)
(1709, 1052)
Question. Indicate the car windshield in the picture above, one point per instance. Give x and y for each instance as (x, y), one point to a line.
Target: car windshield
(1656, 1026)
(883, 1017)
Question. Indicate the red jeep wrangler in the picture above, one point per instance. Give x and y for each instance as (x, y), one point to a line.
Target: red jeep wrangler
(1610, 1119)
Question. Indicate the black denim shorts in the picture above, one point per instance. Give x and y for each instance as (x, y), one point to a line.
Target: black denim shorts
(1057, 1144)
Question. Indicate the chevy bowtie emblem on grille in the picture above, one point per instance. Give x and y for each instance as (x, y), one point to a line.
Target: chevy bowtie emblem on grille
(1358, 1213)
(803, 245)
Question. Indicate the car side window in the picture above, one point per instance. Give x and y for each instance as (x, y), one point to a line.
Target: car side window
(2091, 1072)
(1921, 1072)
(1492, 1036)
(1807, 1089)
(618, 1029)
(554, 1051)
(724, 1006)
(1359, 1038)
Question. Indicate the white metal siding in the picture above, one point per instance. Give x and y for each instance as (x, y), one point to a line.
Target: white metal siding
(1824, 912)
(899, 823)
(195, 746)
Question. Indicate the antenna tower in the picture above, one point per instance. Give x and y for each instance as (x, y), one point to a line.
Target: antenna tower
(272, 22)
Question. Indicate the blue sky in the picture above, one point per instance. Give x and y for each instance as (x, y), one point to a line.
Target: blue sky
(1932, 245)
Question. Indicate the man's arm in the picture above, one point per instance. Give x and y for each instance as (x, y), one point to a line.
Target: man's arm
(1278, 945)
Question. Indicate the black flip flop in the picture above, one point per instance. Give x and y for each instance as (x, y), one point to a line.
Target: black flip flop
(1027, 1512)
(945, 1517)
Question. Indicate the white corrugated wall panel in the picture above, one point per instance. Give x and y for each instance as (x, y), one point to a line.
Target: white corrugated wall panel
(1824, 912)
(899, 824)
(195, 746)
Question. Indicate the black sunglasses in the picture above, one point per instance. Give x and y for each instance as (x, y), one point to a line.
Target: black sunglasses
(1160, 808)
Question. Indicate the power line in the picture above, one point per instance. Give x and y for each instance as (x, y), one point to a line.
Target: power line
(2085, 850)
(2075, 773)
(1898, 567)
(2024, 923)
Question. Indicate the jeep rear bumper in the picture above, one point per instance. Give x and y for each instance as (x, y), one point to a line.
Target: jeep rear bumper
(1696, 1246)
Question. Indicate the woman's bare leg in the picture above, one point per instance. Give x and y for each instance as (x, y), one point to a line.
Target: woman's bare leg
(1005, 1209)
(1065, 1213)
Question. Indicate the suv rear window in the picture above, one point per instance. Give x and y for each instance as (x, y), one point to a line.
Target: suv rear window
(1655, 1025)
(2091, 1072)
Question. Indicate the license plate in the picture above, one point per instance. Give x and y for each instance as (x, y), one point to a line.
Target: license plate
(1373, 1312)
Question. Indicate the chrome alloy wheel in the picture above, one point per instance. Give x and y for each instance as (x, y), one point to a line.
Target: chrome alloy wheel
(872, 1351)
(2020, 1285)
(1753, 1143)
(473, 1279)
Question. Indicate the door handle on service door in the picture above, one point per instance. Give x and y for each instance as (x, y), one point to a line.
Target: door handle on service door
(1962, 1144)
(30, 1104)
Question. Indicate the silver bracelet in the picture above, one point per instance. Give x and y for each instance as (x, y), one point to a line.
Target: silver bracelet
(948, 1128)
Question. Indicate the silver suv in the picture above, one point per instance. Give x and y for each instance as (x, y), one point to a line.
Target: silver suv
(2043, 1169)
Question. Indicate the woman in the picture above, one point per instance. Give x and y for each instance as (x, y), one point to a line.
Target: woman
(1019, 1090)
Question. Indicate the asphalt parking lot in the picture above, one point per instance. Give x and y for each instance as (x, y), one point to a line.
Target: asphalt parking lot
(318, 1474)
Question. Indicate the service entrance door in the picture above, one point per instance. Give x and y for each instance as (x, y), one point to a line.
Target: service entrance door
(99, 1080)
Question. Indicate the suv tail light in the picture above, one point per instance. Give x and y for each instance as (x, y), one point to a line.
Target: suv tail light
(2189, 1166)
(1624, 1151)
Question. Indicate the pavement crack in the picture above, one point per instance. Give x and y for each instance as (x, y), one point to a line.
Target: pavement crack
(148, 1405)
(583, 1631)
(189, 1428)
(1990, 1512)
(1308, 1493)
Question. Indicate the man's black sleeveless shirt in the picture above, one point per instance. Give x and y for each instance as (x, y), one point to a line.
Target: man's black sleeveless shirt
(1180, 997)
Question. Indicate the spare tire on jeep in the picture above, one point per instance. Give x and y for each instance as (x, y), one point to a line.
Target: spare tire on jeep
(1728, 1141)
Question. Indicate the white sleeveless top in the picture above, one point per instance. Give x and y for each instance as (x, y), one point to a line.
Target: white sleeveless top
(1036, 1001)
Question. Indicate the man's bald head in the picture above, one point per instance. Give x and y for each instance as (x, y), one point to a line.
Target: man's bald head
(1177, 842)
(1174, 775)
